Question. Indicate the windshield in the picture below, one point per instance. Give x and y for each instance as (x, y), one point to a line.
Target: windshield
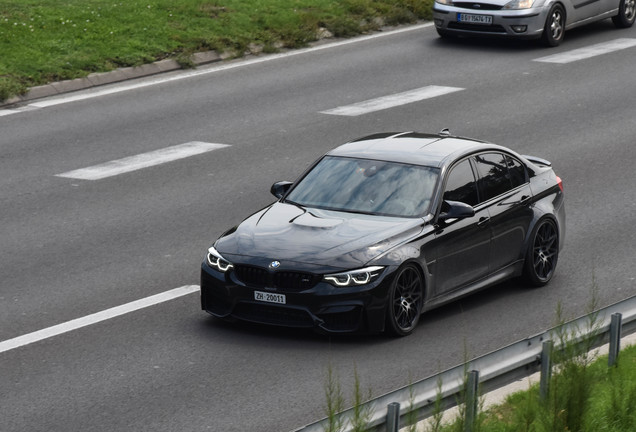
(367, 186)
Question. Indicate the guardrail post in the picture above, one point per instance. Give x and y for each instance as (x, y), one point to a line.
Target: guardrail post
(472, 383)
(546, 369)
(393, 417)
(615, 338)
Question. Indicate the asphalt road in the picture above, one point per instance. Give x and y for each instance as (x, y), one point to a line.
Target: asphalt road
(71, 248)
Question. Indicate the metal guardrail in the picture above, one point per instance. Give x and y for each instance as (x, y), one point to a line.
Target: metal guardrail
(496, 370)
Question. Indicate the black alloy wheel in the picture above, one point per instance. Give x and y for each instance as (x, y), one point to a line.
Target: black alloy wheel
(543, 254)
(405, 301)
(554, 26)
(626, 14)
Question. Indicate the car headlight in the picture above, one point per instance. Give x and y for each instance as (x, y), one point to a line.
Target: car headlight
(354, 277)
(519, 4)
(217, 262)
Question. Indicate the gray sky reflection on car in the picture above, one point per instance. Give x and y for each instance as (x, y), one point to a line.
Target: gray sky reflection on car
(367, 186)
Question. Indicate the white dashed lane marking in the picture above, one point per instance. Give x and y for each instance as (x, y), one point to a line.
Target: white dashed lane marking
(95, 318)
(143, 160)
(391, 101)
(590, 51)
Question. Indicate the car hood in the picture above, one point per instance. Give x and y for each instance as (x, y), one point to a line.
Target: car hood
(294, 235)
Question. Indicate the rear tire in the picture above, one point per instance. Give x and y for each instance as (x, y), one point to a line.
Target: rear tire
(543, 253)
(626, 14)
(405, 301)
(554, 29)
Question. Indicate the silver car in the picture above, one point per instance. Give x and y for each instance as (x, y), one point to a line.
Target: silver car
(526, 19)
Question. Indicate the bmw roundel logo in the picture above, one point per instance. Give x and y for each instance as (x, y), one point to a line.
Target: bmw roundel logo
(274, 264)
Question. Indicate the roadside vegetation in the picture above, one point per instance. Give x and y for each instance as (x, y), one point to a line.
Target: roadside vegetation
(43, 41)
(584, 392)
(586, 395)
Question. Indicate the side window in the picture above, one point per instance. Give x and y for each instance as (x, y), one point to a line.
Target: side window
(517, 172)
(461, 185)
(493, 174)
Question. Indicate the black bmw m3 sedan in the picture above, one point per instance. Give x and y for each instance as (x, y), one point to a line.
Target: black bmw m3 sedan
(385, 227)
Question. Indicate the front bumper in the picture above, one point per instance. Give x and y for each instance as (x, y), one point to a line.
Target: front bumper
(322, 307)
(520, 24)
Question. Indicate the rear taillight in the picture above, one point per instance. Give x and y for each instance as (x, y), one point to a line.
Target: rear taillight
(560, 183)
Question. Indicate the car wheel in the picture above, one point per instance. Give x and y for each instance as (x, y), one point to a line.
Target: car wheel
(554, 27)
(626, 14)
(405, 301)
(543, 253)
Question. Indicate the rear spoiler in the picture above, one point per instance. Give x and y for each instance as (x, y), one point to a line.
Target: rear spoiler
(538, 161)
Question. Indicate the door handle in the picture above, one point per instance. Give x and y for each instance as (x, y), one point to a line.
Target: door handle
(483, 221)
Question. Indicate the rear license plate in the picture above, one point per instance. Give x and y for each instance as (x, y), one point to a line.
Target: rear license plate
(474, 19)
(270, 297)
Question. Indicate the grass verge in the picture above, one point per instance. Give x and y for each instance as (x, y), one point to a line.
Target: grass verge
(585, 396)
(47, 40)
(607, 404)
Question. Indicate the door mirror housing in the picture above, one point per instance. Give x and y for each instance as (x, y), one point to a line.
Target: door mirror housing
(279, 189)
(456, 210)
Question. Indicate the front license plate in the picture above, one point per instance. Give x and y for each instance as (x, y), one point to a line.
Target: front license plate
(474, 19)
(270, 297)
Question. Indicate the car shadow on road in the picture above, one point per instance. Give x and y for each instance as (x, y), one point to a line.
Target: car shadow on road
(285, 336)
(504, 292)
(275, 336)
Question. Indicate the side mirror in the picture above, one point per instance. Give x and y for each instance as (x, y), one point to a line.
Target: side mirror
(456, 210)
(279, 189)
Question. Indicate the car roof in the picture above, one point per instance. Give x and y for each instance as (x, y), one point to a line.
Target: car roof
(435, 150)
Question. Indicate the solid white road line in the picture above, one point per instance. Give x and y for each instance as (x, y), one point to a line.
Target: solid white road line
(140, 161)
(391, 101)
(96, 317)
(8, 112)
(217, 68)
(590, 51)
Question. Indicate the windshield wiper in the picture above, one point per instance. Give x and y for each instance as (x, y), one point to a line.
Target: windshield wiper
(300, 206)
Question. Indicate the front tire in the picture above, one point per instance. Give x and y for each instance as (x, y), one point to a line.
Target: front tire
(626, 14)
(405, 301)
(542, 254)
(554, 29)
